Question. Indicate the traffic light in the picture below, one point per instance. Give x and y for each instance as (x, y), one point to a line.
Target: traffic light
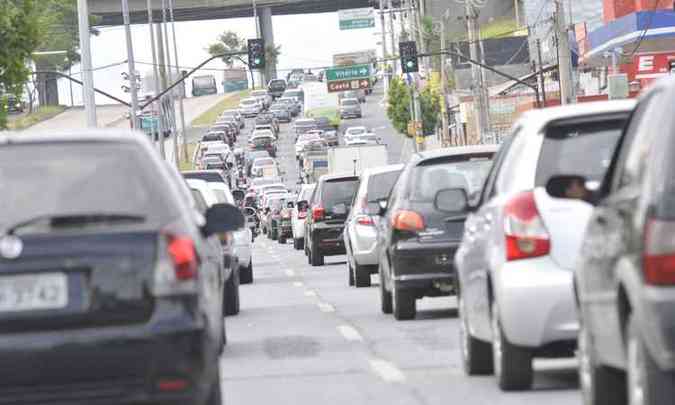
(408, 52)
(256, 53)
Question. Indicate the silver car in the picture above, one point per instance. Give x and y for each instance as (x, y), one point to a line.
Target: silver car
(516, 260)
(360, 233)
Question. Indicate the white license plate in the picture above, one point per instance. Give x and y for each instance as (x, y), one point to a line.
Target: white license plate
(33, 292)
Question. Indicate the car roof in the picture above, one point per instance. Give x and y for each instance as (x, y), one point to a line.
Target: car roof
(456, 151)
(79, 135)
(338, 176)
(350, 99)
(382, 169)
(541, 117)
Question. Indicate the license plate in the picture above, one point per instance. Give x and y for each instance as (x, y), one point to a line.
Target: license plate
(33, 292)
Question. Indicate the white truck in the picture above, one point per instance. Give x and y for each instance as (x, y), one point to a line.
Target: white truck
(355, 159)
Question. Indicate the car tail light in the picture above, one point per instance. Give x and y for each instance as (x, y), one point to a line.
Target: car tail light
(318, 213)
(177, 266)
(659, 252)
(407, 221)
(365, 220)
(172, 384)
(526, 235)
(184, 257)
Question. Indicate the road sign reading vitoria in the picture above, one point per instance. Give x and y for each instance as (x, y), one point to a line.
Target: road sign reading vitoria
(343, 78)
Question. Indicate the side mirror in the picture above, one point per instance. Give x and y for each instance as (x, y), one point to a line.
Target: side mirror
(238, 195)
(222, 218)
(290, 204)
(454, 200)
(303, 205)
(383, 205)
(570, 187)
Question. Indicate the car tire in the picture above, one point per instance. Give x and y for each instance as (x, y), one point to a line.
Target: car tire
(350, 270)
(282, 240)
(275, 234)
(316, 256)
(405, 304)
(246, 274)
(386, 303)
(298, 243)
(476, 354)
(361, 276)
(646, 383)
(215, 395)
(512, 364)
(600, 385)
(231, 301)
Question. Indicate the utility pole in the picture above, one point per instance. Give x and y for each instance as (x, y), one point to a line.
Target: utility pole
(135, 123)
(542, 81)
(88, 96)
(171, 99)
(416, 10)
(445, 140)
(417, 109)
(181, 108)
(155, 69)
(391, 34)
(164, 85)
(479, 99)
(384, 49)
(257, 35)
(567, 95)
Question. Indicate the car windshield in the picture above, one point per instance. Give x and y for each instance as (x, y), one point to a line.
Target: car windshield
(350, 102)
(277, 84)
(249, 102)
(469, 173)
(356, 131)
(263, 162)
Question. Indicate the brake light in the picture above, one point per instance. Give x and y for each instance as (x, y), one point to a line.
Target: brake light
(318, 213)
(526, 235)
(184, 257)
(659, 252)
(365, 220)
(408, 221)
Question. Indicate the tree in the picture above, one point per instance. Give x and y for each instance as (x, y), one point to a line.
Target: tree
(19, 35)
(398, 109)
(230, 41)
(430, 103)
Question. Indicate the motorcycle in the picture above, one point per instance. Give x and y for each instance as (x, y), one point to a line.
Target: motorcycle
(285, 227)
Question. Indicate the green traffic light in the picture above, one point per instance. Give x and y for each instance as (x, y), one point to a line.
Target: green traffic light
(410, 63)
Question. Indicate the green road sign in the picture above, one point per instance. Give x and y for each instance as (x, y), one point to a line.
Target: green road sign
(348, 72)
(150, 124)
(356, 18)
(357, 24)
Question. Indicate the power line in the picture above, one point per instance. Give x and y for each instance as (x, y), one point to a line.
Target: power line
(644, 32)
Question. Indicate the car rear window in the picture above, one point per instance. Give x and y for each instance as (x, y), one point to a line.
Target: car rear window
(211, 177)
(261, 141)
(75, 178)
(465, 171)
(578, 148)
(380, 185)
(350, 102)
(338, 191)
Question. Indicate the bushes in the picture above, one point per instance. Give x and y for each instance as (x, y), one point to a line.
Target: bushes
(398, 110)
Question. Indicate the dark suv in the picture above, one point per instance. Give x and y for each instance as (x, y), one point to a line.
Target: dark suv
(329, 209)
(625, 278)
(418, 240)
(110, 290)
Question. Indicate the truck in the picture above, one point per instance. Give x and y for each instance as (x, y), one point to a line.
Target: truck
(235, 80)
(354, 159)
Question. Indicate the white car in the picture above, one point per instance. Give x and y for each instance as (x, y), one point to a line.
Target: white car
(303, 140)
(353, 132)
(515, 264)
(259, 164)
(264, 97)
(298, 216)
(250, 107)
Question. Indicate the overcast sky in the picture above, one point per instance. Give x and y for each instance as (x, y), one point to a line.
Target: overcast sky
(306, 40)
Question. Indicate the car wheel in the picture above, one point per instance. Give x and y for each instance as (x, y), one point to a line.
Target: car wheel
(361, 276)
(298, 243)
(275, 234)
(350, 270)
(316, 256)
(405, 305)
(385, 297)
(647, 384)
(282, 240)
(600, 385)
(215, 396)
(512, 364)
(476, 354)
(246, 274)
(232, 295)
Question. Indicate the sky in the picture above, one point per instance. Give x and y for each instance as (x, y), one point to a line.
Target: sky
(306, 40)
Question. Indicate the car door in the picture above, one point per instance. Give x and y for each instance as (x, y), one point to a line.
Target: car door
(384, 230)
(611, 236)
(350, 223)
(473, 266)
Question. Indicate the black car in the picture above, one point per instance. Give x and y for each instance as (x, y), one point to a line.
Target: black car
(109, 291)
(329, 208)
(418, 240)
(625, 278)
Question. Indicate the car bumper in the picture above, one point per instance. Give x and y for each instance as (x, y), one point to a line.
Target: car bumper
(536, 302)
(110, 365)
(299, 228)
(329, 239)
(427, 267)
(350, 114)
(656, 318)
(363, 245)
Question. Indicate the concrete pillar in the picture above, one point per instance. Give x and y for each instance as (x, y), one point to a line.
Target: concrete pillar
(266, 28)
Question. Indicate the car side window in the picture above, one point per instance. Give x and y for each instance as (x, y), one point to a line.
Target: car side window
(489, 189)
(511, 176)
(632, 158)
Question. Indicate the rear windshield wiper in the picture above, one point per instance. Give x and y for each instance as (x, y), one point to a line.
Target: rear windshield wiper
(68, 220)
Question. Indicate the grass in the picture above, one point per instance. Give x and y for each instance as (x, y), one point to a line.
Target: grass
(210, 115)
(188, 165)
(39, 115)
(330, 112)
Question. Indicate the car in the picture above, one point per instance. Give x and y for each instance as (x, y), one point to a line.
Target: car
(357, 94)
(360, 234)
(354, 131)
(329, 208)
(267, 118)
(303, 139)
(330, 137)
(231, 274)
(264, 142)
(227, 123)
(259, 164)
(365, 139)
(276, 87)
(91, 276)
(263, 96)
(234, 115)
(324, 123)
(298, 94)
(252, 156)
(265, 129)
(282, 112)
(623, 280)
(417, 238)
(303, 125)
(299, 214)
(515, 263)
(292, 103)
(250, 107)
(350, 108)
(272, 209)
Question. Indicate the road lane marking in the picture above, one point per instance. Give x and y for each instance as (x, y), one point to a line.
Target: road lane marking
(350, 333)
(297, 284)
(386, 370)
(289, 272)
(324, 307)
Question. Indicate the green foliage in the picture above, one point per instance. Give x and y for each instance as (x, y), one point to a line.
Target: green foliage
(398, 109)
(229, 41)
(430, 103)
(19, 36)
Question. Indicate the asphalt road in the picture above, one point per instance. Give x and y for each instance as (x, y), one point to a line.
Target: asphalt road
(304, 337)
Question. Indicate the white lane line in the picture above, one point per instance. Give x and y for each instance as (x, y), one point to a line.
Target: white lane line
(350, 333)
(324, 307)
(310, 293)
(289, 272)
(297, 284)
(386, 370)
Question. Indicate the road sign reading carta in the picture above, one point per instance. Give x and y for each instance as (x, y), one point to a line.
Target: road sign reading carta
(353, 72)
(356, 18)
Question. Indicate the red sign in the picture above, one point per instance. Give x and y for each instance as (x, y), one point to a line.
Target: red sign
(346, 85)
